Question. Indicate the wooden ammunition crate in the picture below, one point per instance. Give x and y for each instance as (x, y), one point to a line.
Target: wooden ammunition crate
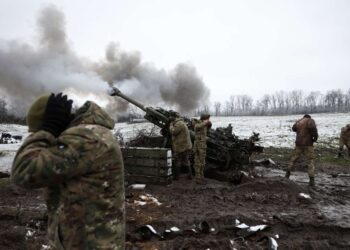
(148, 165)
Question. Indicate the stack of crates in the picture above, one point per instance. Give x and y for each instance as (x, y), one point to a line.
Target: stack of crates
(147, 165)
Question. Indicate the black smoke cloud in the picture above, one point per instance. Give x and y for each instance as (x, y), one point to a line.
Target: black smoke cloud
(27, 72)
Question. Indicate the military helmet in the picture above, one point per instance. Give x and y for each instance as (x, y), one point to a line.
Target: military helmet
(204, 116)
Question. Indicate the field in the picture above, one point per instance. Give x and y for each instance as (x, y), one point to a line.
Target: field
(275, 131)
(288, 212)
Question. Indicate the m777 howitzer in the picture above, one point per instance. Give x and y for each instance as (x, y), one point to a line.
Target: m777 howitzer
(224, 149)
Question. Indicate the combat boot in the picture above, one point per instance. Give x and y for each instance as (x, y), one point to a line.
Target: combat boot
(287, 174)
(312, 182)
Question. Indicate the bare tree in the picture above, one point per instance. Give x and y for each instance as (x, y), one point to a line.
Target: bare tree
(347, 101)
(227, 108)
(273, 103)
(217, 107)
(265, 102)
(311, 101)
(334, 100)
(296, 97)
(247, 103)
(232, 105)
(280, 96)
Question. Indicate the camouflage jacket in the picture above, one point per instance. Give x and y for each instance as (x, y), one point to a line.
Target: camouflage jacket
(180, 136)
(82, 171)
(306, 132)
(345, 135)
(200, 136)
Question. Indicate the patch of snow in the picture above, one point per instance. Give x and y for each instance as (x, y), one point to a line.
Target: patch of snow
(150, 198)
(306, 196)
(256, 228)
(175, 229)
(29, 233)
(140, 203)
(138, 186)
(152, 229)
(273, 243)
(242, 226)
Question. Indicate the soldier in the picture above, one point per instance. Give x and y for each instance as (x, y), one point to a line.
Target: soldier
(79, 163)
(344, 139)
(181, 144)
(306, 135)
(200, 146)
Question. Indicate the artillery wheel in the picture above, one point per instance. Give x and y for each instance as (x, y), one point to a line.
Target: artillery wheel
(228, 161)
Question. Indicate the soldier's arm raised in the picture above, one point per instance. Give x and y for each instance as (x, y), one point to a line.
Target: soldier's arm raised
(44, 160)
(200, 125)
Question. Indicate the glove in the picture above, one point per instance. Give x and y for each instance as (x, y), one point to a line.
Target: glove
(209, 124)
(57, 114)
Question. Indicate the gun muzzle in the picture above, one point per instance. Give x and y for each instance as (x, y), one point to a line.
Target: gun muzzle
(114, 91)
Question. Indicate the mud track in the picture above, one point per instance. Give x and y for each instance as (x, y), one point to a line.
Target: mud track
(207, 216)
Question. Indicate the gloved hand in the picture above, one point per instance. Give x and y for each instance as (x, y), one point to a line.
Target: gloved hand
(209, 124)
(57, 114)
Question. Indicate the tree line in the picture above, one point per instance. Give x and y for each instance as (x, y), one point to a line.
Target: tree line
(281, 103)
(277, 103)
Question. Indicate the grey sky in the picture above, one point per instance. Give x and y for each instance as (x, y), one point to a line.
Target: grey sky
(238, 47)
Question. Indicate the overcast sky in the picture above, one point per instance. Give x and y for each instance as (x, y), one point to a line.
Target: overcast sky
(238, 47)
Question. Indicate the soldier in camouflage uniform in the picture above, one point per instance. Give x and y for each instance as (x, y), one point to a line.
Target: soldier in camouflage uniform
(181, 144)
(306, 136)
(344, 140)
(79, 163)
(200, 146)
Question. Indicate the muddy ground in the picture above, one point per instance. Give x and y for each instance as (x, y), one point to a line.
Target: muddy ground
(208, 216)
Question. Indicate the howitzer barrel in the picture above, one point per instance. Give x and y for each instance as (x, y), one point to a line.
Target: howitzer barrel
(116, 92)
(153, 115)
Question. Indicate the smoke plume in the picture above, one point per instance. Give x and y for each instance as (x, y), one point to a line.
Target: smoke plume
(27, 72)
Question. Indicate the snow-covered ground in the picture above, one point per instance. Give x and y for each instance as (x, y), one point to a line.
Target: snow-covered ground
(274, 131)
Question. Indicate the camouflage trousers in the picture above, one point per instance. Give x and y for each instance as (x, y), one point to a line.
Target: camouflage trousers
(181, 159)
(343, 143)
(308, 153)
(199, 160)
